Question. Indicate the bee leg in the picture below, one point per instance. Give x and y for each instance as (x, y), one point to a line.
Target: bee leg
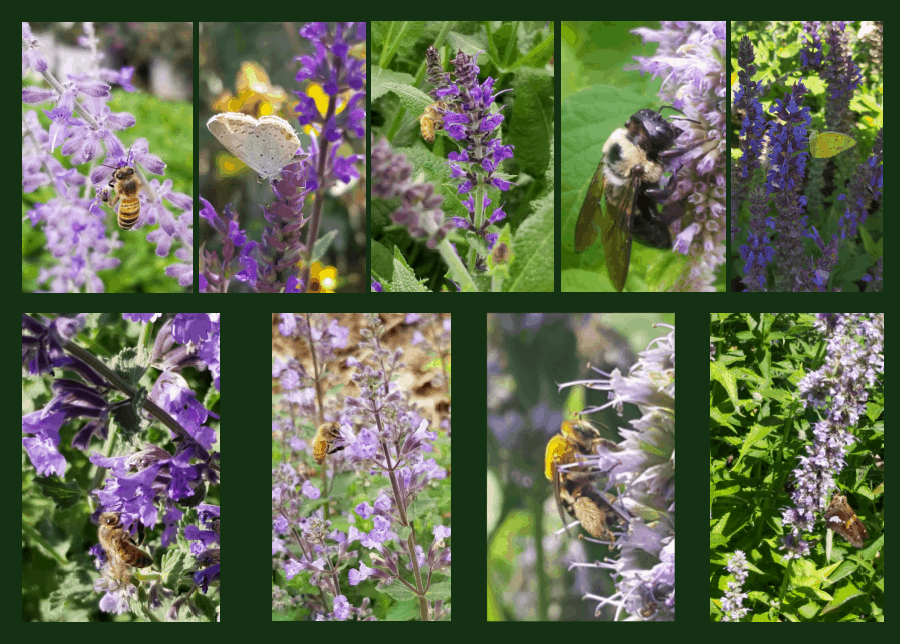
(671, 213)
(557, 488)
(621, 512)
(674, 152)
(593, 517)
(651, 227)
(661, 194)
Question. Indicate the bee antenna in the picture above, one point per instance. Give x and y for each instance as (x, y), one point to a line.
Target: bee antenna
(679, 118)
(668, 107)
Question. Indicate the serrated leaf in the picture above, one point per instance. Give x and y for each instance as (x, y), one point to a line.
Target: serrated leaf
(404, 279)
(382, 77)
(414, 100)
(535, 249)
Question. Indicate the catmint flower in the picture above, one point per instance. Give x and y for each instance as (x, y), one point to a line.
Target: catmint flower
(393, 449)
(645, 568)
(690, 59)
(79, 239)
(145, 484)
(734, 598)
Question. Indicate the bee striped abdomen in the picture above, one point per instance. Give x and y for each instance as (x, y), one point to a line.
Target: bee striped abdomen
(123, 198)
(128, 213)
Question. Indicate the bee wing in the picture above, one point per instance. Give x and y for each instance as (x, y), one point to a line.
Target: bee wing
(616, 230)
(591, 216)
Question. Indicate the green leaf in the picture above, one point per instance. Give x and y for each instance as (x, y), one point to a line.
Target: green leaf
(535, 250)
(531, 125)
(404, 279)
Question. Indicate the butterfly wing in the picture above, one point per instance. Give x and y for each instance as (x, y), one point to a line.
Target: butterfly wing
(233, 130)
(274, 143)
(823, 145)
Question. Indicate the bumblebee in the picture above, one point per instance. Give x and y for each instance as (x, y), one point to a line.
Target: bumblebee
(572, 483)
(634, 159)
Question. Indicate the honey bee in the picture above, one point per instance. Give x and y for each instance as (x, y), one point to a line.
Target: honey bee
(325, 437)
(125, 186)
(572, 484)
(432, 119)
(120, 548)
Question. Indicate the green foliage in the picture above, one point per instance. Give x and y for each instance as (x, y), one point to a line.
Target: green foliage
(58, 570)
(777, 48)
(757, 419)
(515, 54)
(169, 129)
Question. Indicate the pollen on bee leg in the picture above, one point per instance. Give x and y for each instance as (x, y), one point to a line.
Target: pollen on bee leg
(593, 518)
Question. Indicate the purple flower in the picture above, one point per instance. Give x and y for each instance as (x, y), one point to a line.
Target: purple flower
(281, 260)
(776, 256)
(81, 241)
(690, 59)
(420, 206)
(645, 568)
(145, 485)
(472, 120)
(396, 456)
(839, 391)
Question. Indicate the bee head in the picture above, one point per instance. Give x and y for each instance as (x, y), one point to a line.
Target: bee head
(580, 431)
(652, 132)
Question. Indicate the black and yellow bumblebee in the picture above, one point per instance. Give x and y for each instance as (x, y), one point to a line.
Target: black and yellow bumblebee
(627, 179)
(573, 485)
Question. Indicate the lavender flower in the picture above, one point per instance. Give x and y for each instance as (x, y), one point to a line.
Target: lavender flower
(83, 128)
(690, 60)
(839, 389)
(645, 569)
(734, 598)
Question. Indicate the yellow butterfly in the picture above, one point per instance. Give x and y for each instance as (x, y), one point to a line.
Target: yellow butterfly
(828, 144)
